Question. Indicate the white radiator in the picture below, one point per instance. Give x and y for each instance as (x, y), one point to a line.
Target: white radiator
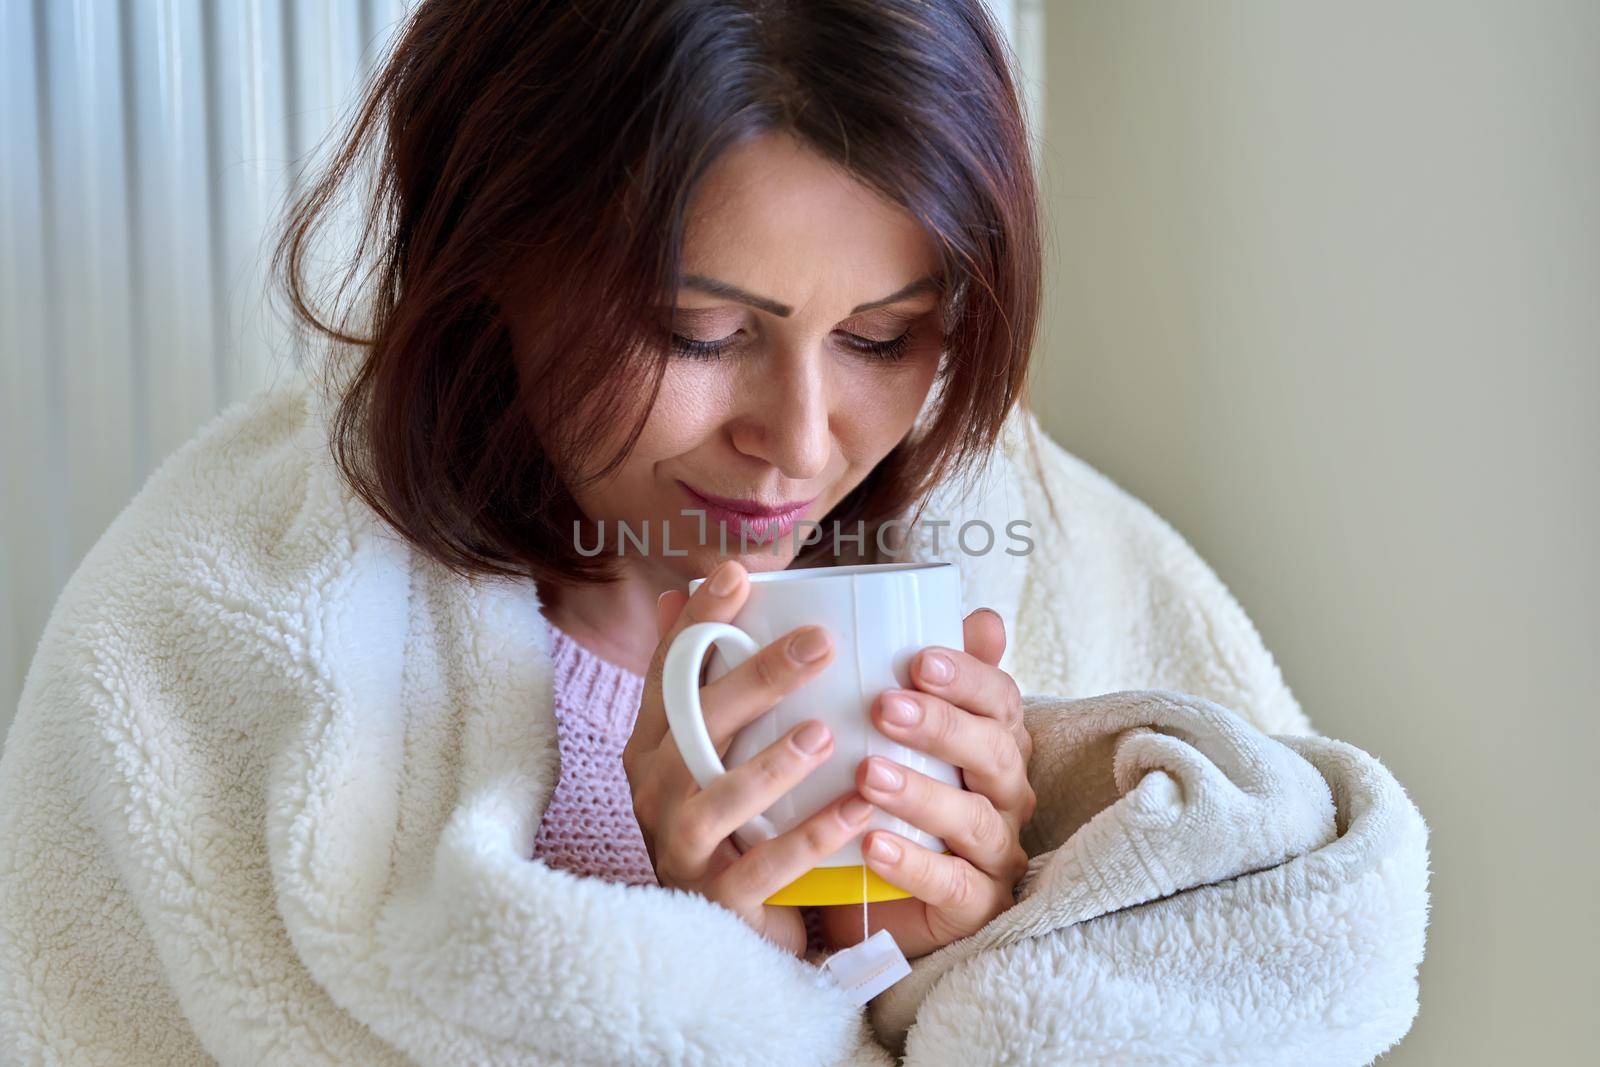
(146, 148)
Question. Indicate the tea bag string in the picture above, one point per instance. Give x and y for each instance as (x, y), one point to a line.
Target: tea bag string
(863, 900)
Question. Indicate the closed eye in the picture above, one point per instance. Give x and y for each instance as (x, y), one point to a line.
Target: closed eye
(889, 350)
(694, 349)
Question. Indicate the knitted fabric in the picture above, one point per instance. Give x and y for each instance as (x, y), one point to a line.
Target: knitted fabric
(589, 826)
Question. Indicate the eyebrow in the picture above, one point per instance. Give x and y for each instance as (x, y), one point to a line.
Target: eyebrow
(927, 283)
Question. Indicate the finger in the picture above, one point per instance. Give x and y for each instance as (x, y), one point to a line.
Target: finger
(940, 880)
(984, 634)
(749, 789)
(752, 688)
(987, 753)
(668, 605)
(773, 864)
(710, 603)
(968, 682)
(966, 821)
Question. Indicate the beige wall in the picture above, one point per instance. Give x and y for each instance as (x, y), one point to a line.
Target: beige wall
(1325, 292)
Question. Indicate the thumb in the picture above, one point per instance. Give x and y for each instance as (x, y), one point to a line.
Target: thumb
(984, 633)
(668, 607)
(676, 611)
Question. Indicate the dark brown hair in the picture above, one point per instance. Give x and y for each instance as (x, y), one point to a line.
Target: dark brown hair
(551, 148)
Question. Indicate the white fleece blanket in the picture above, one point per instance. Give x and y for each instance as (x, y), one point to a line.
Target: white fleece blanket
(273, 784)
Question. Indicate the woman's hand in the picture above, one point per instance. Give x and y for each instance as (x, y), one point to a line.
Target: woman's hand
(971, 718)
(685, 827)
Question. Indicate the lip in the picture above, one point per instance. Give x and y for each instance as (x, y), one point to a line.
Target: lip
(753, 508)
(756, 527)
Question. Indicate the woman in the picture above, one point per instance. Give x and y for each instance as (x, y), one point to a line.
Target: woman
(344, 746)
(778, 227)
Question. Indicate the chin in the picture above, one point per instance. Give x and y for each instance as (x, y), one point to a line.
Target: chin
(757, 562)
(702, 561)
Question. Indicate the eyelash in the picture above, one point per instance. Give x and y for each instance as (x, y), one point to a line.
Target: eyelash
(885, 351)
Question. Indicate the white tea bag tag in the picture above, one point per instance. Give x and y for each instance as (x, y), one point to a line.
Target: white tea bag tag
(867, 969)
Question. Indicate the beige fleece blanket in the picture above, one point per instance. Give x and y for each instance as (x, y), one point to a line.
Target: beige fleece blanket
(273, 784)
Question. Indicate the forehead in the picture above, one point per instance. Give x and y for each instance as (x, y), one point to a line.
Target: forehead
(773, 213)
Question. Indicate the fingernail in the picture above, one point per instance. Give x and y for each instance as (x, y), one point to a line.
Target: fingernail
(901, 711)
(883, 775)
(937, 668)
(811, 738)
(884, 849)
(725, 580)
(855, 809)
(809, 646)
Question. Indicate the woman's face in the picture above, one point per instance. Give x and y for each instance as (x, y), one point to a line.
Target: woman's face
(807, 335)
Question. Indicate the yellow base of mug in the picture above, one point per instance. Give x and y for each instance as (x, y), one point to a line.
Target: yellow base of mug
(836, 885)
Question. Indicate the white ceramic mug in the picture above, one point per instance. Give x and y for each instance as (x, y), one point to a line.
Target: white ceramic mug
(879, 617)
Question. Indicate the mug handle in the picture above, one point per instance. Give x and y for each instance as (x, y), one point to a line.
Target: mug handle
(680, 694)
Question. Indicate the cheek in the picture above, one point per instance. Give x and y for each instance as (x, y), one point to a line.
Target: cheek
(692, 403)
(882, 404)
(685, 410)
(689, 407)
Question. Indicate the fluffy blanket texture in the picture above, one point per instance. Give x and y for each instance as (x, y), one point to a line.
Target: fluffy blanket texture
(273, 784)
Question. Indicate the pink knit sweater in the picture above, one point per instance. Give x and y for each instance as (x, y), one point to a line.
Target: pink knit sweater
(589, 827)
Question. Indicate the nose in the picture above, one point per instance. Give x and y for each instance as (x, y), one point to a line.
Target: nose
(786, 414)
